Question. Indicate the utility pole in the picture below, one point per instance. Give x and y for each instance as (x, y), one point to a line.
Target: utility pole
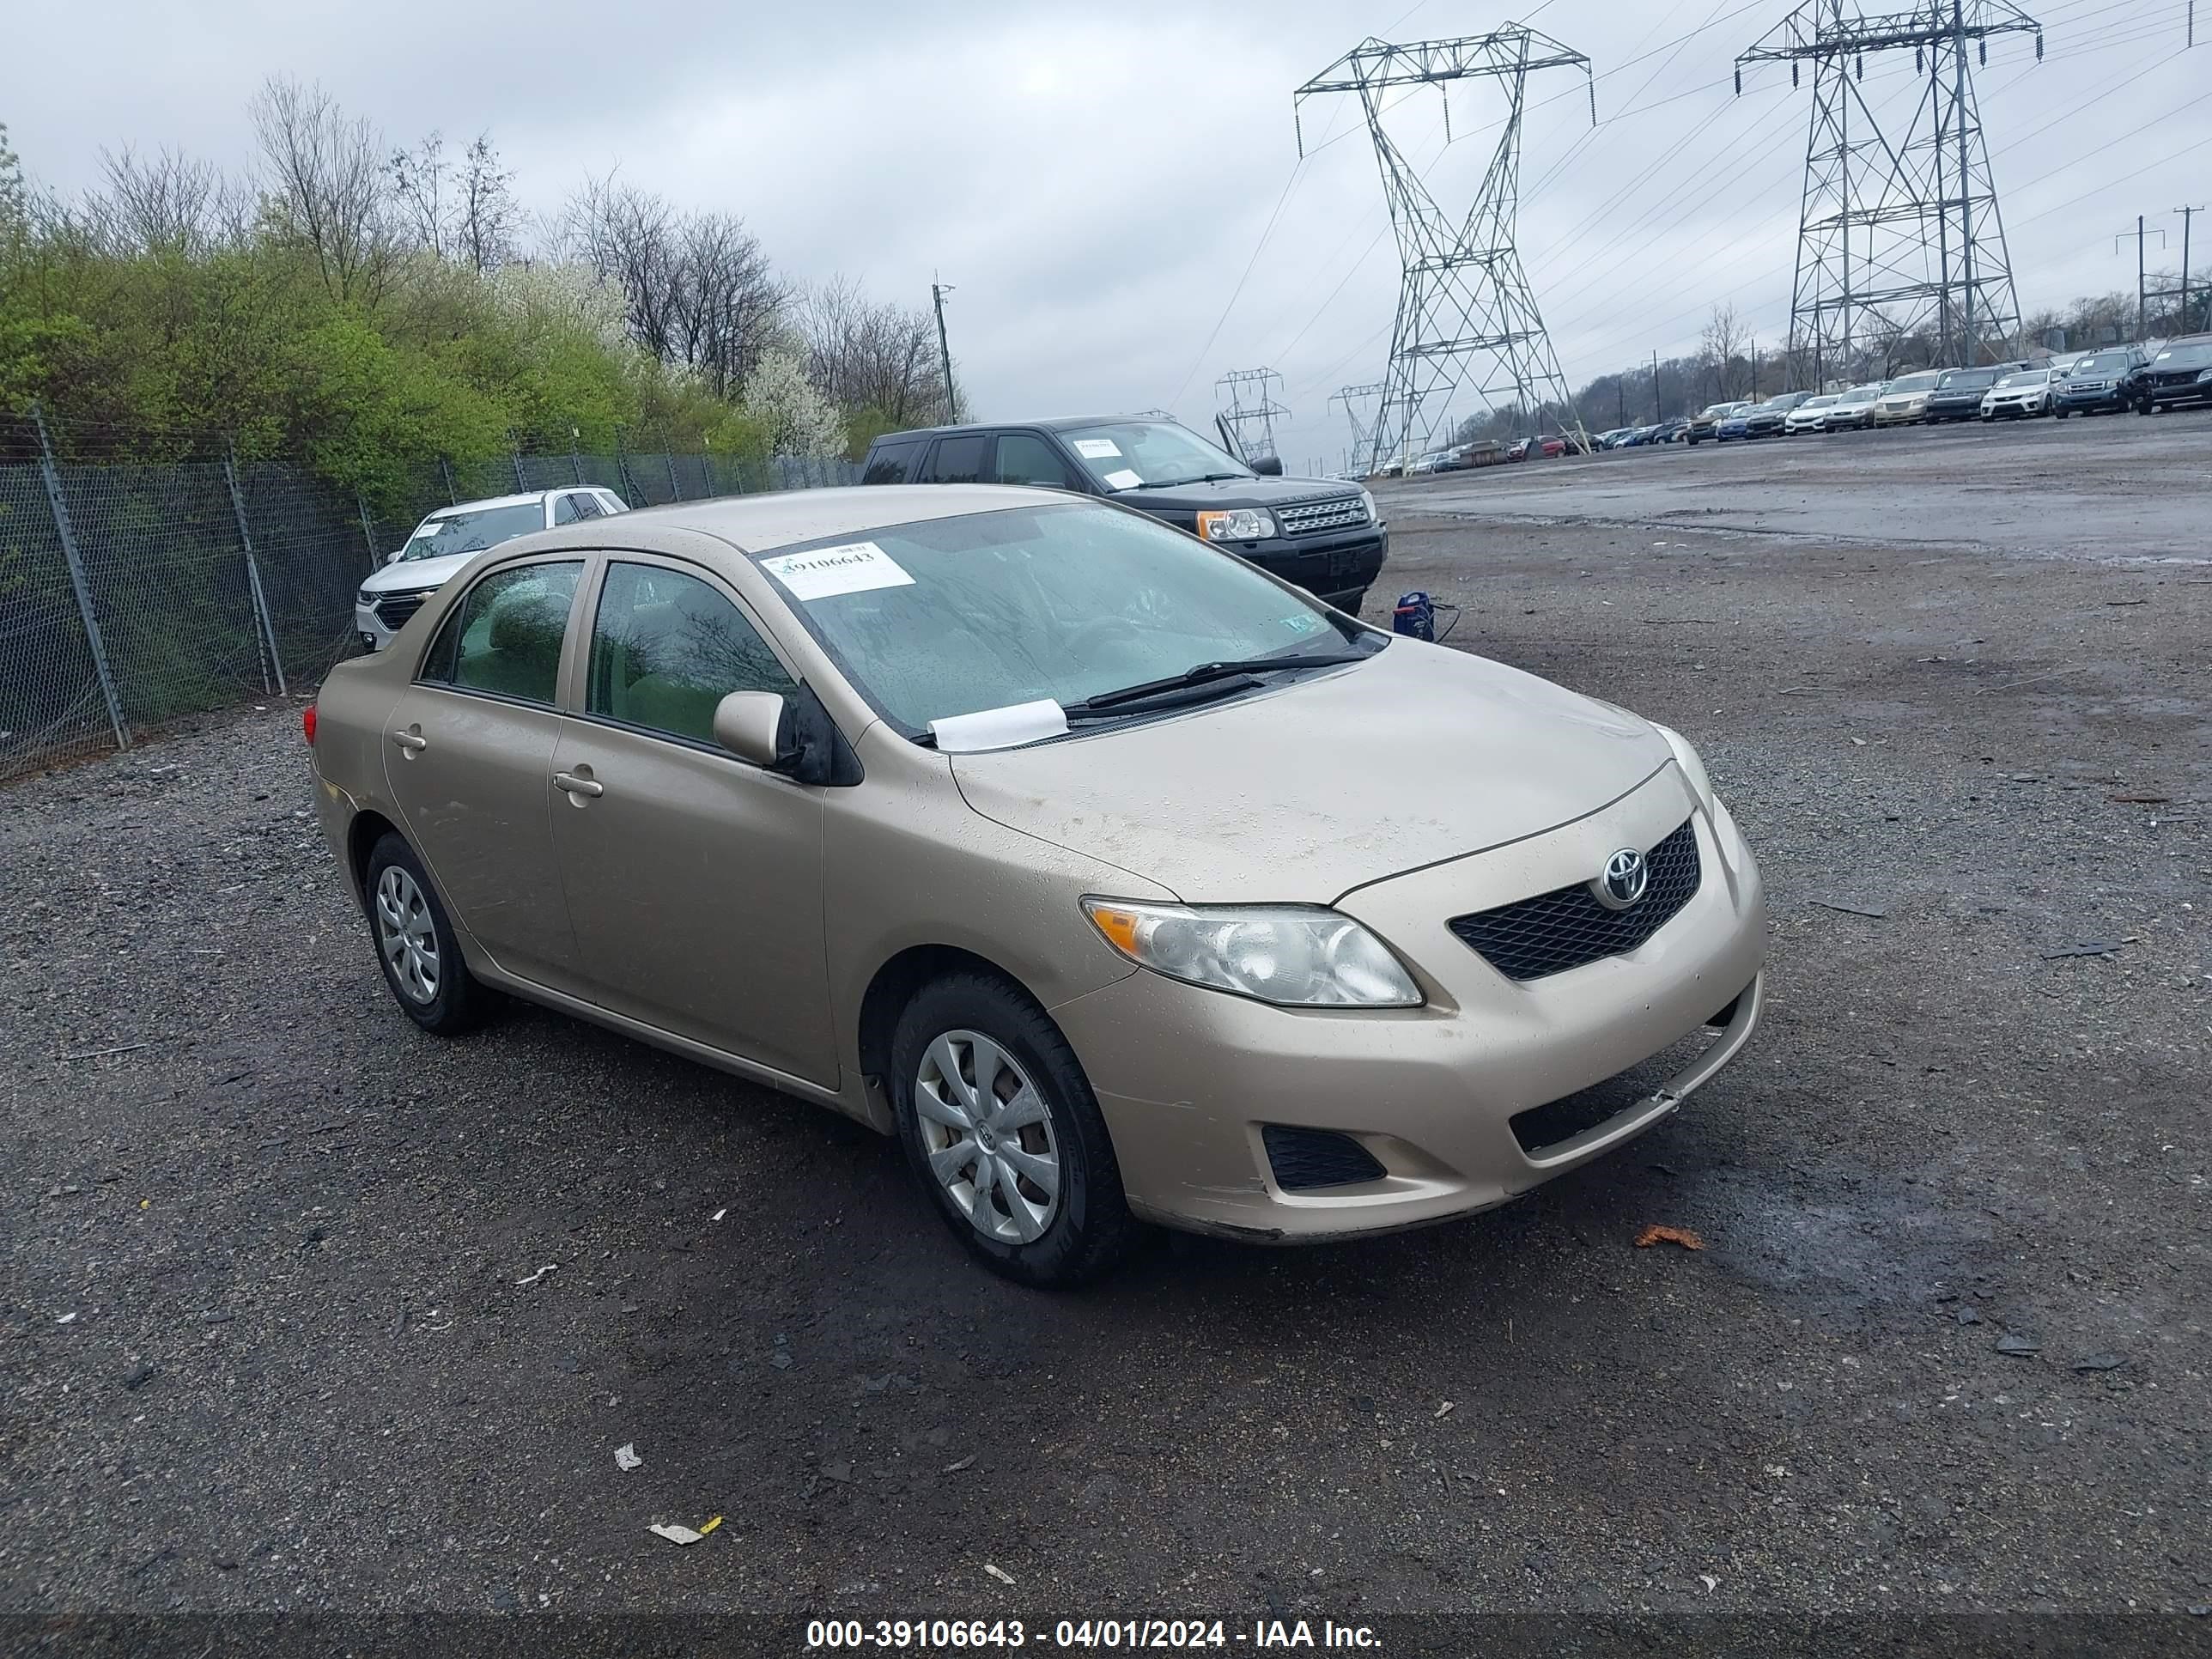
(937, 292)
(1755, 368)
(2187, 214)
(2142, 295)
(1657, 413)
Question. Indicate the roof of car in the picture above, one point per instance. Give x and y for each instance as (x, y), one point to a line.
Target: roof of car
(779, 518)
(523, 500)
(1052, 422)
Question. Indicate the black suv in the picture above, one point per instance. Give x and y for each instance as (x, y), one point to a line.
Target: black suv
(2178, 375)
(1957, 394)
(1324, 534)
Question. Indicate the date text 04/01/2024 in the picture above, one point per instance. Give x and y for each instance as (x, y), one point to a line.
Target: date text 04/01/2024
(1089, 1633)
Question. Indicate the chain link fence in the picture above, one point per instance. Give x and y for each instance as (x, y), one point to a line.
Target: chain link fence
(134, 593)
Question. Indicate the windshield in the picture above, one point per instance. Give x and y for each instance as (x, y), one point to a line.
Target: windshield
(2104, 362)
(1924, 381)
(1821, 402)
(953, 616)
(1863, 394)
(1966, 380)
(2026, 377)
(1145, 454)
(472, 531)
(2188, 356)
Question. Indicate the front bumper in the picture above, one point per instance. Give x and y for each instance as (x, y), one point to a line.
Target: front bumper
(1188, 1078)
(1963, 409)
(2037, 402)
(1898, 414)
(1333, 566)
(368, 627)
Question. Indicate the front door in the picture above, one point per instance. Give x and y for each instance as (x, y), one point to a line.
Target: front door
(694, 879)
(468, 753)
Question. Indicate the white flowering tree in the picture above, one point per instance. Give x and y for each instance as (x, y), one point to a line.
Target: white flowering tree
(794, 417)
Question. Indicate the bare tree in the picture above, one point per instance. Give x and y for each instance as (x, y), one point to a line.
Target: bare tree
(327, 185)
(418, 181)
(698, 289)
(865, 355)
(487, 219)
(1721, 346)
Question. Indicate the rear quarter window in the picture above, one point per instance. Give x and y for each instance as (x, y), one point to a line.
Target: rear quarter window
(891, 463)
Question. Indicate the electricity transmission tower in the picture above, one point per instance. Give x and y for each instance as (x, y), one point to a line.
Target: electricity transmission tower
(1466, 318)
(1904, 239)
(1357, 399)
(1250, 416)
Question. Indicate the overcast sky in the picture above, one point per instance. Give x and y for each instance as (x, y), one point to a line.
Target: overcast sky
(1094, 181)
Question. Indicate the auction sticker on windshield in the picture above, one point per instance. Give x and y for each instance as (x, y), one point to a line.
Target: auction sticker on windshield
(1122, 479)
(828, 571)
(1097, 449)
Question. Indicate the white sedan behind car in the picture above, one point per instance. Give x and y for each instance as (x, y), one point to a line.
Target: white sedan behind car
(450, 537)
(2023, 392)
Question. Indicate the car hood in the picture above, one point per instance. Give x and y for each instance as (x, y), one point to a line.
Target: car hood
(1190, 499)
(415, 575)
(1302, 793)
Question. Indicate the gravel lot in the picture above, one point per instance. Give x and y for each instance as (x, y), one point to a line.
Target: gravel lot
(266, 1343)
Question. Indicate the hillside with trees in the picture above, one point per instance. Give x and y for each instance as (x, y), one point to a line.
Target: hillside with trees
(365, 307)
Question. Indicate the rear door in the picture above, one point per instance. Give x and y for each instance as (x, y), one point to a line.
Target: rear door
(468, 755)
(693, 877)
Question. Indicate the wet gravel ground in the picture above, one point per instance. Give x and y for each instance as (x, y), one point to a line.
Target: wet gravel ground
(265, 1340)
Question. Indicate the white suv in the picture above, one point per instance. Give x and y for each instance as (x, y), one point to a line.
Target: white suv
(450, 537)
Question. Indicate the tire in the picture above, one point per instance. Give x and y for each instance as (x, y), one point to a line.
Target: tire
(402, 906)
(1086, 1227)
(2062, 413)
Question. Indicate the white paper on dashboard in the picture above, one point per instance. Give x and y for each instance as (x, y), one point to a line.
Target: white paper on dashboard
(999, 728)
(1097, 449)
(827, 571)
(1124, 479)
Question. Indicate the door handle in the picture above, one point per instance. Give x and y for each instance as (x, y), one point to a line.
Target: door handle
(411, 740)
(569, 782)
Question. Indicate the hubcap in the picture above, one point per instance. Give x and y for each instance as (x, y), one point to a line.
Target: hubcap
(988, 1137)
(405, 935)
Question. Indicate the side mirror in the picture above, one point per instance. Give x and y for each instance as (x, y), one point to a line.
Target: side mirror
(750, 725)
(1268, 466)
(393, 557)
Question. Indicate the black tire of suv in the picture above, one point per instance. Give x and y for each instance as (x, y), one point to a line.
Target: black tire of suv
(1092, 1228)
(462, 1002)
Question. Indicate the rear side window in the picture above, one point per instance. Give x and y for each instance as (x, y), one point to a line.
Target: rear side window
(666, 648)
(956, 460)
(1024, 458)
(504, 637)
(888, 462)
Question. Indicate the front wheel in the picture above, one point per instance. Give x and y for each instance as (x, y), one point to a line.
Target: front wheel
(1000, 1125)
(2062, 413)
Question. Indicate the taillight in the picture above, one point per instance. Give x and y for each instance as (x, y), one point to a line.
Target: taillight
(307, 724)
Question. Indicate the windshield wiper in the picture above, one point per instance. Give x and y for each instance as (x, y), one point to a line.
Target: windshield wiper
(1206, 477)
(1207, 673)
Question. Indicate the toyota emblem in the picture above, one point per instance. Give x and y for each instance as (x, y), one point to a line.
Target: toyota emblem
(1623, 880)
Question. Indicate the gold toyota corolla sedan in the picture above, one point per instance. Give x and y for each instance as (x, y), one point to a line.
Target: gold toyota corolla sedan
(1122, 881)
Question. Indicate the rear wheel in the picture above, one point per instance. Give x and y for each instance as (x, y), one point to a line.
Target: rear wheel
(414, 942)
(1000, 1125)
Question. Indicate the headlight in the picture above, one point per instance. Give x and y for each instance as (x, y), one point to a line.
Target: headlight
(1299, 956)
(2205, 378)
(1692, 767)
(1238, 524)
(366, 598)
(1375, 512)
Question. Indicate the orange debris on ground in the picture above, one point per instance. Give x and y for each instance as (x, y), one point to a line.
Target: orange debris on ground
(1682, 1236)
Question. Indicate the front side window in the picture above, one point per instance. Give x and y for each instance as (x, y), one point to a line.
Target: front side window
(1062, 602)
(1149, 455)
(471, 530)
(666, 648)
(1025, 459)
(504, 637)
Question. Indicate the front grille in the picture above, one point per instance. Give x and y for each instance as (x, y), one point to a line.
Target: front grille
(393, 610)
(1567, 926)
(1305, 1158)
(1309, 517)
